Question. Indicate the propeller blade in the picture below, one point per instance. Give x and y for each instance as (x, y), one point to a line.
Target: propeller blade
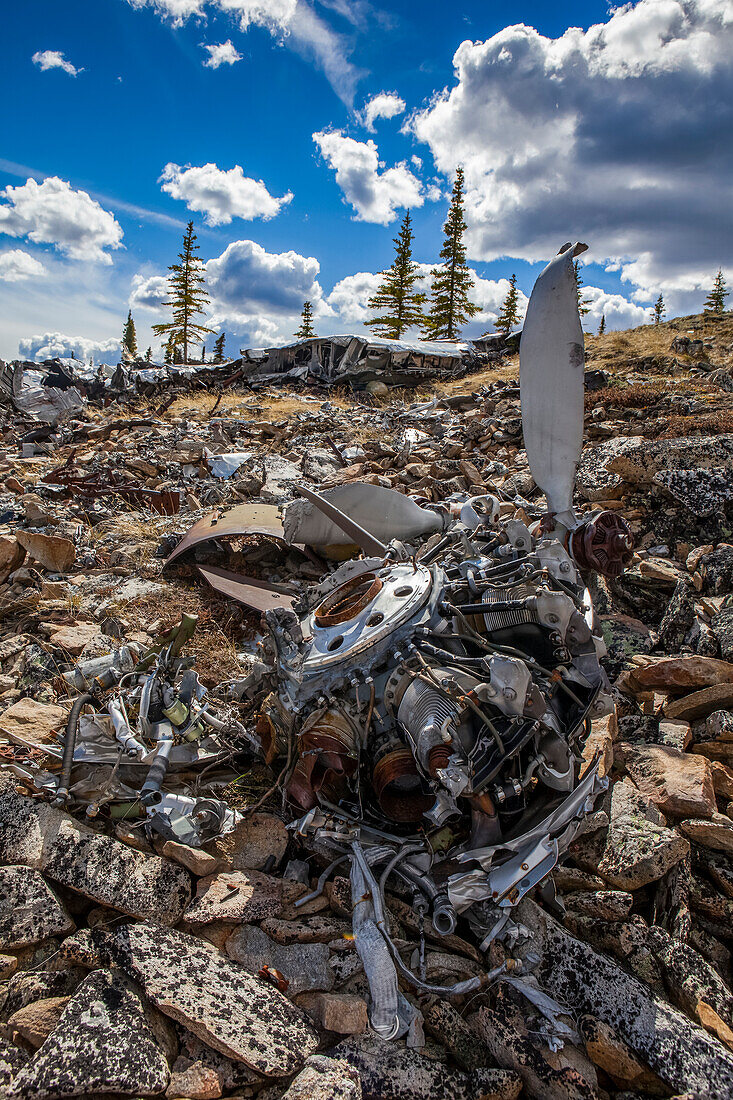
(551, 379)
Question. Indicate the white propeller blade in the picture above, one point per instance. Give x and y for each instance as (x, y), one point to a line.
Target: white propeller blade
(551, 377)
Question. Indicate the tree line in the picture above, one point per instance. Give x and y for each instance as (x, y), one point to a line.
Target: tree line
(397, 305)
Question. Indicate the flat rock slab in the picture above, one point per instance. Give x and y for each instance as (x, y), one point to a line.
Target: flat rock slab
(678, 783)
(235, 896)
(102, 1043)
(241, 1016)
(677, 674)
(103, 869)
(700, 703)
(325, 1079)
(639, 848)
(53, 552)
(29, 720)
(304, 966)
(30, 912)
(390, 1072)
(255, 840)
(716, 834)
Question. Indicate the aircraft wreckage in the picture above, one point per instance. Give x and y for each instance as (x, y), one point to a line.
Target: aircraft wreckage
(427, 702)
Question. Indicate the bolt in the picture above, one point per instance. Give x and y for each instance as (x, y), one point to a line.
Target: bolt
(509, 693)
(525, 866)
(564, 566)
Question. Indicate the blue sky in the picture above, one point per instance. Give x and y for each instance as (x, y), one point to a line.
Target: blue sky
(253, 117)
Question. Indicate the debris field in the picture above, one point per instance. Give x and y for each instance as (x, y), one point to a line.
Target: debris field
(335, 764)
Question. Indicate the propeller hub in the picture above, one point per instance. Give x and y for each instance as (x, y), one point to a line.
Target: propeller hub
(604, 543)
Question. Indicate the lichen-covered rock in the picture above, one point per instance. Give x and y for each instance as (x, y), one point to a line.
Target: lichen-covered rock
(389, 1071)
(244, 1017)
(42, 837)
(304, 966)
(445, 1023)
(615, 1058)
(717, 570)
(689, 978)
(314, 929)
(722, 626)
(562, 1075)
(12, 1059)
(609, 905)
(30, 912)
(678, 783)
(639, 848)
(641, 463)
(685, 1056)
(702, 492)
(325, 1079)
(102, 1043)
(194, 1080)
(679, 616)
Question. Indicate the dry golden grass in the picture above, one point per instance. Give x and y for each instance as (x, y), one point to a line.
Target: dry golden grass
(270, 407)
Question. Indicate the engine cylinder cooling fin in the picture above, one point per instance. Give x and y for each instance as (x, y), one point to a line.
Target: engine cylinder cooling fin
(427, 717)
(502, 617)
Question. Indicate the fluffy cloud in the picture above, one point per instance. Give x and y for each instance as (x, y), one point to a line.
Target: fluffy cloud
(16, 265)
(53, 212)
(52, 344)
(246, 280)
(293, 23)
(375, 195)
(220, 195)
(148, 292)
(222, 54)
(618, 311)
(383, 105)
(611, 135)
(54, 59)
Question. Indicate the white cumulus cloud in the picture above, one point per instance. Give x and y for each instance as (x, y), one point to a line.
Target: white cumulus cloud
(17, 265)
(54, 59)
(374, 194)
(53, 212)
(223, 53)
(246, 280)
(383, 105)
(613, 135)
(221, 195)
(49, 345)
(148, 292)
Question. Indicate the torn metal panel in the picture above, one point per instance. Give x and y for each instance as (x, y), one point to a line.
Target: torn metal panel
(242, 520)
(250, 591)
(164, 501)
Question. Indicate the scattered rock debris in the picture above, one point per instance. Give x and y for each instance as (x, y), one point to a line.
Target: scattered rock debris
(265, 828)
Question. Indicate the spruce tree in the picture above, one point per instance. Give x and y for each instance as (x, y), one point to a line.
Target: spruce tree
(149, 355)
(602, 326)
(658, 310)
(219, 348)
(168, 353)
(715, 301)
(509, 312)
(306, 330)
(187, 297)
(450, 306)
(583, 303)
(398, 304)
(129, 338)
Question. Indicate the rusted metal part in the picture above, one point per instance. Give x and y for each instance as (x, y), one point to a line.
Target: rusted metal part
(242, 520)
(164, 501)
(348, 600)
(250, 591)
(605, 544)
(328, 747)
(399, 788)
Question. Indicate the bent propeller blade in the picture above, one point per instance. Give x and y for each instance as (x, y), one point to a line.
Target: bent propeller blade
(551, 380)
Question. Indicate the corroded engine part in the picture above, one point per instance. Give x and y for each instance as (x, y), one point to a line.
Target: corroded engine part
(328, 755)
(603, 543)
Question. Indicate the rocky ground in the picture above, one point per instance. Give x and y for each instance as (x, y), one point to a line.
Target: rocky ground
(139, 969)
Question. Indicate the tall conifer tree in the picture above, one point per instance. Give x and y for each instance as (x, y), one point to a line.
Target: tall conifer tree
(398, 304)
(583, 303)
(509, 312)
(187, 297)
(450, 305)
(658, 310)
(306, 330)
(715, 301)
(602, 326)
(129, 337)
